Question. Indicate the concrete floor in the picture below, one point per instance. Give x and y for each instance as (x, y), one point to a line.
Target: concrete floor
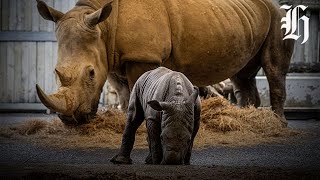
(296, 159)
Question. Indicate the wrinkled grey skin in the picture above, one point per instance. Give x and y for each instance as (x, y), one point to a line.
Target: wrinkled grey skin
(171, 106)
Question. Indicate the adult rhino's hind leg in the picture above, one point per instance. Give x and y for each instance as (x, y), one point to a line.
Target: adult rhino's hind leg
(276, 54)
(276, 60)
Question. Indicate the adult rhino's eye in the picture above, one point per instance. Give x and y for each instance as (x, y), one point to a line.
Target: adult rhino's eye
(91, 73)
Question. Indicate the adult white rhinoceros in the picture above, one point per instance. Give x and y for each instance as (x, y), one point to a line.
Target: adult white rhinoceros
(207, 40)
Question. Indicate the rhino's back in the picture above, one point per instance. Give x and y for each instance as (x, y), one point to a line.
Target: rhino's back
(207, 40)
(217, 36)
(157, 85)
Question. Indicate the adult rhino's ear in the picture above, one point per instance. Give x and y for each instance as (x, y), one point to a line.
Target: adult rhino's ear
(48, 13)
(91, 20)
(159, 106)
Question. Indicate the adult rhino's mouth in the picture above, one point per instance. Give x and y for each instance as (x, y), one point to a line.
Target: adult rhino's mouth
(66, 104)
(76, 120)
(56, 102)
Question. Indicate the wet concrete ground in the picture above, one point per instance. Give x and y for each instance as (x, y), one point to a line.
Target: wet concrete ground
(299, 158)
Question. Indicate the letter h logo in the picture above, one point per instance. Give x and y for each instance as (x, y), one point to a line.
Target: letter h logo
(291, 23)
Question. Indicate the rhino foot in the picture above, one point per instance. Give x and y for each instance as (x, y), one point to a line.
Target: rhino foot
(284, 122)
(118, 159)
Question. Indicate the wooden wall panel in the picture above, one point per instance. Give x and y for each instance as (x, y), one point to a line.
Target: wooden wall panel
(311, 51)
(32, 77)
(40, 65)
(3, 71)
(0, 14)
(48, 69)
(18, 91)
(5, 15)
(10, 72)
(35, 22)
(25, 59)
(12, 14)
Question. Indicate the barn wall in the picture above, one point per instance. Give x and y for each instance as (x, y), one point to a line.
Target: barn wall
(28, 50)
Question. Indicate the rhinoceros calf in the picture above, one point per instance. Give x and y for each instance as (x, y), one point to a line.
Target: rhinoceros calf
(171, 106)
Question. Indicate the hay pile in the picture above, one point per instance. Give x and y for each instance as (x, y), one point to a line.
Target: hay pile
(225, 124)
(221, 124)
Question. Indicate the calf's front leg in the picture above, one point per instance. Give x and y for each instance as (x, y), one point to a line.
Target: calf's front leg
(155, 148)
(197, 112)
(135, 118)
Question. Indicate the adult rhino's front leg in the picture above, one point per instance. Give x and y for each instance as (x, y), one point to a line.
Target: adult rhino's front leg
(122, 88)
(135, 118)
(245, 91)
(135, 69)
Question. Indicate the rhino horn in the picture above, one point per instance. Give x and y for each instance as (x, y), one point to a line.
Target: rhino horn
(91, 20)
(55, 102)
(62, 78)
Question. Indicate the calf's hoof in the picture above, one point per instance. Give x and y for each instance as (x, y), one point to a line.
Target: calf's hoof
(118, 159)
(148, 159)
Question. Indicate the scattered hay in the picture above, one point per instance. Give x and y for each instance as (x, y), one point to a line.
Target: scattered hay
(221, 124)
(31, 127)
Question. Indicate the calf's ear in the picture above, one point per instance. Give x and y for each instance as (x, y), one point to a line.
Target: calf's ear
(194, 94)
(154, 104)
(48, 13)
(159, 106)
